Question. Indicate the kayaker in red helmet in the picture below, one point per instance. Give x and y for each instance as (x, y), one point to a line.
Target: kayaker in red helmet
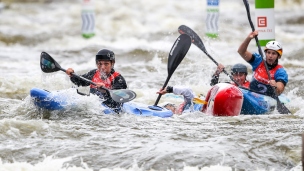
(260, 81)
(103, 76)
(238, 71)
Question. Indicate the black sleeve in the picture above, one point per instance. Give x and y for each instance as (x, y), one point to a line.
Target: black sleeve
(214, 80)
(119, 83)
(169, 89)
(80, 82)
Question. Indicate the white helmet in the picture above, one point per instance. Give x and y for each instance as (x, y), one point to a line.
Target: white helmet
(274, 45)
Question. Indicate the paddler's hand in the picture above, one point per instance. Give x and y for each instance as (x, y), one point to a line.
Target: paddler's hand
(253, 34)
(219, 69)
(99, 86)
(278, 86)
(69, 71)
(162, 91)
(273, 84)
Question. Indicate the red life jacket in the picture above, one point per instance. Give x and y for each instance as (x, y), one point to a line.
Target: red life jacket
(260, 74)
(246, 84)
(260, 79)
(108, 81)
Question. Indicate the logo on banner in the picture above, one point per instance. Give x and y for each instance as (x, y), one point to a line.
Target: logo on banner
(262, 21)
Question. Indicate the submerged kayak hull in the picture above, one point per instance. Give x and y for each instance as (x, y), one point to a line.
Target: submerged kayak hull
(59, 100)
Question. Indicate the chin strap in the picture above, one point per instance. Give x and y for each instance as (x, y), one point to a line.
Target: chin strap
(270, 67)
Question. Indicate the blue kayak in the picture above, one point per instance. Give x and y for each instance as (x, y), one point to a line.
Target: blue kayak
(257, 104)
(59, 100)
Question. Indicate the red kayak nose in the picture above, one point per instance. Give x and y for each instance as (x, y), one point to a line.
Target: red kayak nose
(224, 100)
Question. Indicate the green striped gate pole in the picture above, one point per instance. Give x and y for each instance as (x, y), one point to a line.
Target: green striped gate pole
(265, 22)
(212, 18)
(88, 19)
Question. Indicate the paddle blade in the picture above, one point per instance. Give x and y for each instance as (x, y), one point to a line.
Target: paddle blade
(48, 64)
(178, 52)
(122, 95)
(282, 109)
(196, 40)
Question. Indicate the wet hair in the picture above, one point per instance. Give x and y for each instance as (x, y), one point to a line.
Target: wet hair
(169, 105)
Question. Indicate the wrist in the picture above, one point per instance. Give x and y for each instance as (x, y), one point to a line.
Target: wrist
(169, 89)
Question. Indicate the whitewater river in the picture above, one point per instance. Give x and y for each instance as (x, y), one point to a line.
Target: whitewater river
(141, 33)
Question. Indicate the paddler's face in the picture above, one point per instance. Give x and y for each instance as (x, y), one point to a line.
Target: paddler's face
(271, 56)
(239, 77)
(104, 66)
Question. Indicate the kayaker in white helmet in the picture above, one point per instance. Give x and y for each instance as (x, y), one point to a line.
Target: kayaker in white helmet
(103, 76)
(260, 81)
(238, 71)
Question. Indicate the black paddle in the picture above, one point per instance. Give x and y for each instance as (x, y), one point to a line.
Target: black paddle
(176, 55)
(48, 64)
(282, 109)
(196, 40)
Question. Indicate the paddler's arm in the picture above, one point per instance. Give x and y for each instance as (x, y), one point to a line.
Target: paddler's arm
(216, 75)
(119, 83)
(100, 85)
(245, 54)
(80, 82)
(186, 92)
(280, 81)
(278, 86)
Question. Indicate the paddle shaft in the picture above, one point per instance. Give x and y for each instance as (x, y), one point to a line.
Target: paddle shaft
(281, 107)
(164, 86)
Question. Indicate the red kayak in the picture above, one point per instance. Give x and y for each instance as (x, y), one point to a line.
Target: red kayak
(224, 100)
